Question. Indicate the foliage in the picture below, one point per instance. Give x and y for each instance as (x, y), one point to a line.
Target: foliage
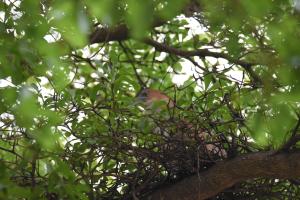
(68, 125)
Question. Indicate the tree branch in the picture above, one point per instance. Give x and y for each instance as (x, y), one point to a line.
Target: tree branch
(227, 173)
(204, 53)
(107, 34)
(121, 32)
(116, 33)
(293, 139)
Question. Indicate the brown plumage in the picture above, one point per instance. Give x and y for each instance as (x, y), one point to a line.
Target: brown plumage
(150, 96)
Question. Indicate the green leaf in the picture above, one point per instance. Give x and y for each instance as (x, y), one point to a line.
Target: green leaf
(170, 9)
(28, 108)
(108, 11)
(281, 123)
(71, 21)
(258, 125)
(139, 17)
(60, 75)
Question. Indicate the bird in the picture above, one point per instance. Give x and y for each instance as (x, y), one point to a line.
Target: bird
(149, 97)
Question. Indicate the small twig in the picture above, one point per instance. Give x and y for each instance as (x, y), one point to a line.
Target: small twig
(204, 53)
(293, 139)
(141, 82)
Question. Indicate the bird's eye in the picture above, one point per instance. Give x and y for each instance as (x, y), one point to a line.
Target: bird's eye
(144, 94)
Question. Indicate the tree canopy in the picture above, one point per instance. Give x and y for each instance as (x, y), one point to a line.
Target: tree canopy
(71, 126)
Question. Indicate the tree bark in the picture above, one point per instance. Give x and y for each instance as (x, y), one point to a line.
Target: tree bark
(121, 32)
(227, 173)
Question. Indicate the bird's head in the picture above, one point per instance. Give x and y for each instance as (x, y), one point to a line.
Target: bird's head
(151, 97)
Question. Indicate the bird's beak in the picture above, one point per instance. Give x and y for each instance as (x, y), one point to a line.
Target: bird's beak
(138, 100)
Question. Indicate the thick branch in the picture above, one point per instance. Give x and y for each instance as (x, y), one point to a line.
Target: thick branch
(227, 173)
(121, 32)
(106, 34)
(116, 33)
